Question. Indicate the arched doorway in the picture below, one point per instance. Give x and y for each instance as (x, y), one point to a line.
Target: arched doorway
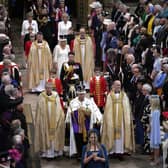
(78, 11)
(16, 8)
(72, 6)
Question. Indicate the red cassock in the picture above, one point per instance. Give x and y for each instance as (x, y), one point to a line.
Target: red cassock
(27, 48)
(98, 89)
(71, 45)
(56, 85)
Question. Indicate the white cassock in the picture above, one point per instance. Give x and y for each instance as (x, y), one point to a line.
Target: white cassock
(41, 86)
(83, 50)
(119, 143)
(51, 153)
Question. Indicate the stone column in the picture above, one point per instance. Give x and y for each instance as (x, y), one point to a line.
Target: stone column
(108, 4)
(82, 12)
(4, 2)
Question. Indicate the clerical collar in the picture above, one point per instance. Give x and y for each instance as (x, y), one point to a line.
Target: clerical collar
(39, 41)
(82, 38)
(49, 94)
(117, 92)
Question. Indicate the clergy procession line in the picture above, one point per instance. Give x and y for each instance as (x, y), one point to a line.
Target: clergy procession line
(102, 92)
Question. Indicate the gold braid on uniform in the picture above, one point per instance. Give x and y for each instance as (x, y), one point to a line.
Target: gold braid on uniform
(68, 69)
(43, 21)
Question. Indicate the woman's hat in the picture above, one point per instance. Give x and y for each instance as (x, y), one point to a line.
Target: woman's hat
(107, 21)
(62, 39)
(95, 5)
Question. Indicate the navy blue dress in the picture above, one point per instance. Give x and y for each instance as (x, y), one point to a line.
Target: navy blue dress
(98, 164)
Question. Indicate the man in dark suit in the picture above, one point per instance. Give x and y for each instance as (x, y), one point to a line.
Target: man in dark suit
(71, 76)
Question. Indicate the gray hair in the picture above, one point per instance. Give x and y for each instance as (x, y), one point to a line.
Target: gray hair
(165, 66)
(11, 57)
(131, 56)
(158, 7)
(164, 60)
(17, 139)
(147, 87)
(156, 21)
(10, 90)
(5, 79)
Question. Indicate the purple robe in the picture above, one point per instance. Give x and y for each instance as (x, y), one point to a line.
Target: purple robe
(76, 126)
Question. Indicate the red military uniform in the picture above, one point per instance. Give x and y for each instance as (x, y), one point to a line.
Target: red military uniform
(58, 87)
(98, 89)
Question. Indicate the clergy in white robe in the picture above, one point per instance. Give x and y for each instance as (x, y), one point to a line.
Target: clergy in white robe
(117, 131)
(84, 54)
(39, 64)
(49, 124)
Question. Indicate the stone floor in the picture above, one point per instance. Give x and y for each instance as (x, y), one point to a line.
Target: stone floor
(133, 161)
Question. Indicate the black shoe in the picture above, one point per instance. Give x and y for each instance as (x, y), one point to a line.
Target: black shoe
(79, 159)
(120, 157)
(49, 159)
(112, 156)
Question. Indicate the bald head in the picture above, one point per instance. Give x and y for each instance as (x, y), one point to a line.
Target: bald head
(125, 49)
(82, 32)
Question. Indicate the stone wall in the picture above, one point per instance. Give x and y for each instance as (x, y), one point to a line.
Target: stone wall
(5, 2)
